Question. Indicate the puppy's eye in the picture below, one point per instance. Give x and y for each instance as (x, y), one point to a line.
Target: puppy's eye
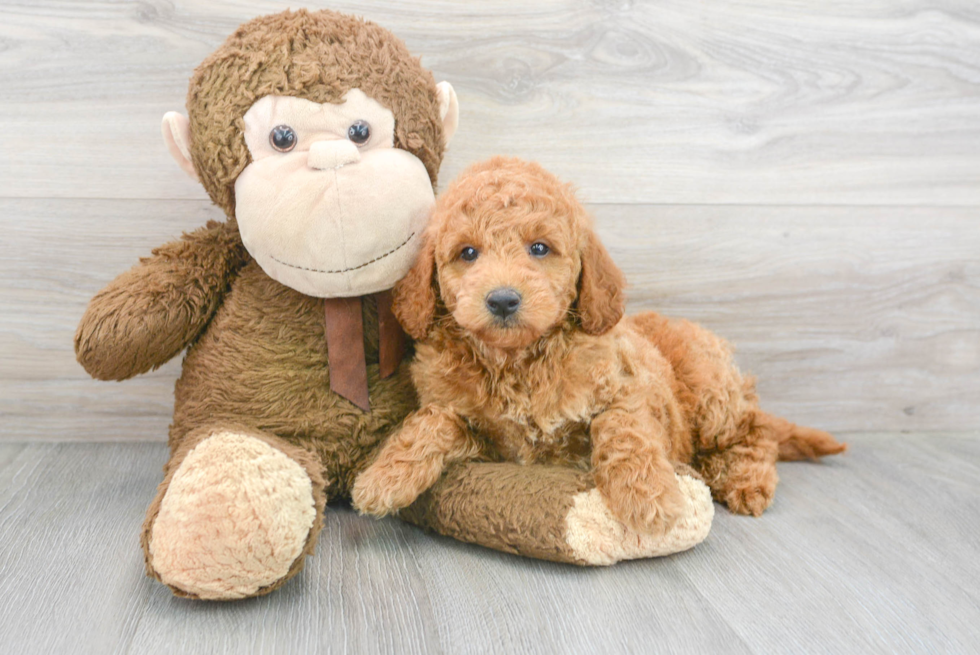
(282, 138)
(468, 254)
(539, 249)
(359, 132)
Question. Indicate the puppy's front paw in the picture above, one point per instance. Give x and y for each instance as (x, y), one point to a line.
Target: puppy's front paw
(384, 489)
(650, 504)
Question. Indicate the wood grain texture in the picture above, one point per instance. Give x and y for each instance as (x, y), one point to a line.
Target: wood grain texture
(875, 552)
(787, 102)
(854, 550)
(853, 319)
(55, 255)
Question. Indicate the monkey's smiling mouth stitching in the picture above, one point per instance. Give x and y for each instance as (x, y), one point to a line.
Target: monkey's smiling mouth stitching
(352, 268)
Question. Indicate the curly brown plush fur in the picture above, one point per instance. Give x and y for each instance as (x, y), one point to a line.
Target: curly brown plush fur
(256, 365)
(563, 380)
(318, 56)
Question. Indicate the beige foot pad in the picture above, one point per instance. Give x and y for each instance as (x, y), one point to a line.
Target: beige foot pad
(598, 538)
(235, 517)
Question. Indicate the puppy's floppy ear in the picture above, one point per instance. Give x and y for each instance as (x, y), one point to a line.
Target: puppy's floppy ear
(414, 297)
(600, 288)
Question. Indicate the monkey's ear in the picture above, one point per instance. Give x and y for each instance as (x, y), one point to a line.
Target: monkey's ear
(600, 289)
(414, 297)
(448, 111)
(177, 135)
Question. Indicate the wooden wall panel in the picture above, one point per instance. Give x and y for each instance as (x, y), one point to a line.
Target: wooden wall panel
(803, 178)
(852, 319)
(647, 102)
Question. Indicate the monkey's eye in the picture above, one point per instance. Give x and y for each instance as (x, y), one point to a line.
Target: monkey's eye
(469, 253)
(282, 138)
(539, 249)
(359, 132)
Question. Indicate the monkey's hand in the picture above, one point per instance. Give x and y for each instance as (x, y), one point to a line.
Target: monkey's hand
(154, 310)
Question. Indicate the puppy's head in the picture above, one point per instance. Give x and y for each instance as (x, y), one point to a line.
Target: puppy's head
(510, 253)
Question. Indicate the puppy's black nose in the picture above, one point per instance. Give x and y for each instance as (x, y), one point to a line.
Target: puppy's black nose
(503, 302)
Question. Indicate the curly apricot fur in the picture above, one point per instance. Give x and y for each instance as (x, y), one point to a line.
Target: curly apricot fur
(564, 380)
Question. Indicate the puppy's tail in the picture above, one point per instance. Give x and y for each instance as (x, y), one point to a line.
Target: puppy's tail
(797, 442)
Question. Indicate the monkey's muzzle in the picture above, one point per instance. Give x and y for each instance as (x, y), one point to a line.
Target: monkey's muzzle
(331, 154)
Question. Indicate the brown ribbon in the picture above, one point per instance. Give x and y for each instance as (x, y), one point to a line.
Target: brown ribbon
(345, 345)
(391, 337)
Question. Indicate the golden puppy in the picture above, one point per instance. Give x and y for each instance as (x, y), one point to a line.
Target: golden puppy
(522, 355)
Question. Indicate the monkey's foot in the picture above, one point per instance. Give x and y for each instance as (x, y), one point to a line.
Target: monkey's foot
(233, 521)
(597, 537)
(552, 512)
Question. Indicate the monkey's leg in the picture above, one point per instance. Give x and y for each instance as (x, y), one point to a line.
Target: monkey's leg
(236, 514)
(551, 513)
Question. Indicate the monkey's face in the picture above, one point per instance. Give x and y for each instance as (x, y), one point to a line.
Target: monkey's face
(328, 206)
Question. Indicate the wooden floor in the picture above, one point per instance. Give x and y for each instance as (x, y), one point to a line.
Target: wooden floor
(877, 551)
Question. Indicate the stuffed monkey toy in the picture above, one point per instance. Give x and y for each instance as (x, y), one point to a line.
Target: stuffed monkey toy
(320, 137)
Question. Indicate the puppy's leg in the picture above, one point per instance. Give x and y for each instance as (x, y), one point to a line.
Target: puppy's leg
(631, 469)
(741, 469)
(734, 449)
(412, 460)
(735, 443)
(741, 466)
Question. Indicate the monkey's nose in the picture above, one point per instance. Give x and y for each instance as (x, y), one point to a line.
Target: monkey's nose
(503, 302)
(332, 153)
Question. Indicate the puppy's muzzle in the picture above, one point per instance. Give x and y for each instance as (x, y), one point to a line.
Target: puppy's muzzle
(503, 302)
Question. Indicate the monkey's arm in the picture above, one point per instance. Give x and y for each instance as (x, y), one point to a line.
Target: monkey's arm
(154, 310)
(550, 512)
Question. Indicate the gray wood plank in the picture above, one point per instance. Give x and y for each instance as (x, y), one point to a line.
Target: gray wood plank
(861, 554)
(55, 256)
(749, 102)
(874, 551)
(853, 318)
(69, 550)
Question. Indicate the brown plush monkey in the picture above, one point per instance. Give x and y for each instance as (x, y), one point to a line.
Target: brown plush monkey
(320, 137)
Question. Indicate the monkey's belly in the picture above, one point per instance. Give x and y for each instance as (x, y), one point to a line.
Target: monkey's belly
(262, 363)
